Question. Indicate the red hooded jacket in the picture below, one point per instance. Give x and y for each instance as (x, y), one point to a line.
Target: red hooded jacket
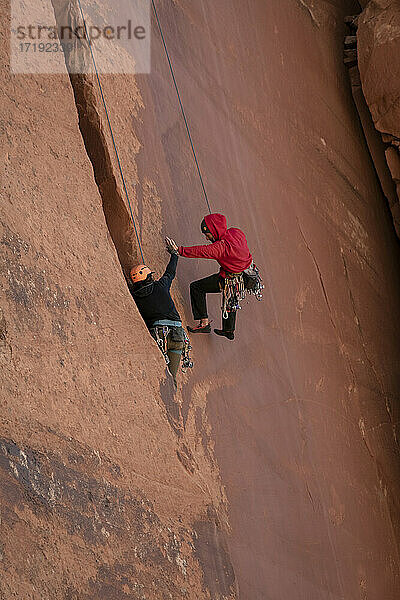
(230, 248)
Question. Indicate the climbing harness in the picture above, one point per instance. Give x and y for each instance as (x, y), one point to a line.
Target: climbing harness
(161, 332)
(236, 285)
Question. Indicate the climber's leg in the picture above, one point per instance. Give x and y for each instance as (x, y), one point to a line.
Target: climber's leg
(198, 292)
(229, 323)
(174, 351)
(228, 326)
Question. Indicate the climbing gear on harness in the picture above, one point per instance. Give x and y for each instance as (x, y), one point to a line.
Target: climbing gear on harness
(140, 273)
(187, 362)
(228, 334)
(235, 286)
(162, 330)
(233, 291)
(200, 329)
(253, 282)
(160, 334)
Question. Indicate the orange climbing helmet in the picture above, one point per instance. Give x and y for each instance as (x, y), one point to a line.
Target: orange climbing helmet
(140, 273)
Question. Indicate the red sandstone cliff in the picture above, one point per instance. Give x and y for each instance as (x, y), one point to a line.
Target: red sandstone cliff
(274, 472)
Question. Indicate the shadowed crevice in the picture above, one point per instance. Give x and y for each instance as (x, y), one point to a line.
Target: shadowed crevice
(95, 139)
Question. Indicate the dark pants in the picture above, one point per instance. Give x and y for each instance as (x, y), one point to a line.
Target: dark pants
(198, 291)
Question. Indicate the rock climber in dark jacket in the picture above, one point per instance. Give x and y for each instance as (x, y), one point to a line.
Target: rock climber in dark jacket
(229, 248)
(153, 299)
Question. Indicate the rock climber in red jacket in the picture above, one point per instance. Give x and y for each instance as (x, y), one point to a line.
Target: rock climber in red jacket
(229, 248)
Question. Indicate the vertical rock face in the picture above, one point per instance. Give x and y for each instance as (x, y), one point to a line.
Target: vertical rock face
(379, 63)
(273, 472)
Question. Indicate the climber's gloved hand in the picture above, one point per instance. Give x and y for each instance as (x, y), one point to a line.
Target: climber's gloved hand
(172, 247)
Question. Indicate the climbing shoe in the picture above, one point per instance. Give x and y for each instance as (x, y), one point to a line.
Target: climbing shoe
(199, 329)
(228, 334)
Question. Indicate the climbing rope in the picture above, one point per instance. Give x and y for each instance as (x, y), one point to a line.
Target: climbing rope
(111, 130)
(181, 105)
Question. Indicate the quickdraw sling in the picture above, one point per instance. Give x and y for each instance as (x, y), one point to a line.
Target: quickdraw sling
(233, 291)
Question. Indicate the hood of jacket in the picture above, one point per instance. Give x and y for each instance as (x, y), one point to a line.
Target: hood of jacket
(216, 224)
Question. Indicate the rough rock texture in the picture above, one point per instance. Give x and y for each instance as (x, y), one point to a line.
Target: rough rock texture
(274, 471)
(379, 63)
(375, 143)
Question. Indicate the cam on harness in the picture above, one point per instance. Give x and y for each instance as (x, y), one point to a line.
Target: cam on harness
(235, 287)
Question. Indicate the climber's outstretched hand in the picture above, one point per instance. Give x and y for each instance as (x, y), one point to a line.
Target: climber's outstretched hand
(172, 247)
